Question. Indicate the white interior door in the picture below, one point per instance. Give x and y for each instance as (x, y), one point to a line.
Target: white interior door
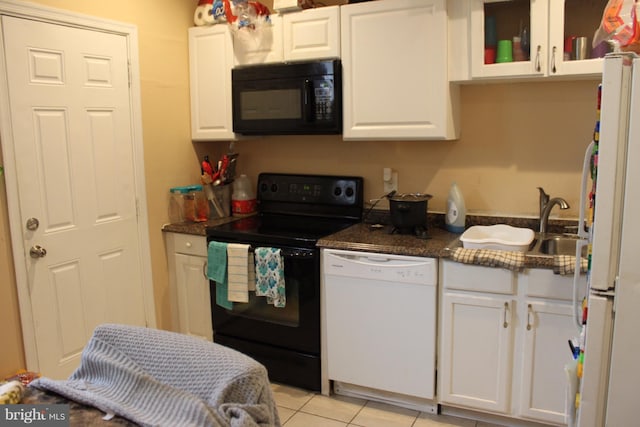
(72, 140)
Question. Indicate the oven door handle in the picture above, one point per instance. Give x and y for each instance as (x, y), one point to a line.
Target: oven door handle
(292, 253)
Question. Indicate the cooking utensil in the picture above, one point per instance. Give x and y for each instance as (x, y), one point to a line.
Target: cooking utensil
(409, 210)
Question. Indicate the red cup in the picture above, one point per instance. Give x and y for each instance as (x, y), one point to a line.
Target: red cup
(489, 55)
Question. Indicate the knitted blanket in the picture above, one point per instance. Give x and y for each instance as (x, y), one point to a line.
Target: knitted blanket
(160, 378)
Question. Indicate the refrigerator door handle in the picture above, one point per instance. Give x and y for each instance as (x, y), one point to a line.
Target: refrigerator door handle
(577, 305)
(582, 233)
(586, 169)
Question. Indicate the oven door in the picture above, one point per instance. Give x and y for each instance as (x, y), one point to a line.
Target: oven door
(296, 326)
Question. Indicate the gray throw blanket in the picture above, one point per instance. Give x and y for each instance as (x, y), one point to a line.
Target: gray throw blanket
(160, 378)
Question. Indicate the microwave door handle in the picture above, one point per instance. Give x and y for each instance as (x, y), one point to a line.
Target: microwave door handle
(309, 101)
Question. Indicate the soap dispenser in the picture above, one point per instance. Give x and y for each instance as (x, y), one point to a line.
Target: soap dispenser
(456, 214)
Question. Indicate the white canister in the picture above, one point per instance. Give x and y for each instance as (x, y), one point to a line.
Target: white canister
(243, 198)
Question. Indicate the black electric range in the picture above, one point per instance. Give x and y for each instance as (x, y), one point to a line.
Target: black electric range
(294, 212)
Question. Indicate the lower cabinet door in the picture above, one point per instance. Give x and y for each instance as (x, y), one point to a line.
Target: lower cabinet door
(476, 351)
(547, 327)
(194, 304)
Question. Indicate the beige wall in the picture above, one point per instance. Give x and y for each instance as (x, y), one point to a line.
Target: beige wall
(515, 137)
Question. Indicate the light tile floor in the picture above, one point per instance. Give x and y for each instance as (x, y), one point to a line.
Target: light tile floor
(301, 408)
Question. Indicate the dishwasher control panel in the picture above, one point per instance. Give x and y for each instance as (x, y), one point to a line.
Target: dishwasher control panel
(385, 267)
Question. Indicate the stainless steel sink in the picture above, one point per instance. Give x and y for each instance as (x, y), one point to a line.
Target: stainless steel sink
(555, 244)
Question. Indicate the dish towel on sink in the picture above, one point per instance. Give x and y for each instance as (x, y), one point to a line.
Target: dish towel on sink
(238, 272)
(270, 275)
(217, 271)
(512, 260)
(566, 264)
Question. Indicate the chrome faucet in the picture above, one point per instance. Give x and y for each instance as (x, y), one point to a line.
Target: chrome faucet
(546, 205)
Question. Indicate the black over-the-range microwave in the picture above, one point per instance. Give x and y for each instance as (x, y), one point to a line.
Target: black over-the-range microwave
(297, 98)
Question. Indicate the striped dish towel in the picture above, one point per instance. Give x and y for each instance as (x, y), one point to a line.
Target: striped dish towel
(512, 260)
(238, 272)
(566, 264)
(270, 275)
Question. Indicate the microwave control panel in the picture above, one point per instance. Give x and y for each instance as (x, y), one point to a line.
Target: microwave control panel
(324, 99)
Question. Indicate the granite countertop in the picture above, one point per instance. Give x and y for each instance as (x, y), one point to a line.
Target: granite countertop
(379, 237)
(199, 228)
(365, 237)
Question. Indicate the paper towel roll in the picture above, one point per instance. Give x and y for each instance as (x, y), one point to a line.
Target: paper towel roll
(203, 15)
(198, 16)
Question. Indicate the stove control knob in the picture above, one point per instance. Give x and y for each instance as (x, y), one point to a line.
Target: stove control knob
(337, 191)
(274, 188)
(264, 187)
(349, 192)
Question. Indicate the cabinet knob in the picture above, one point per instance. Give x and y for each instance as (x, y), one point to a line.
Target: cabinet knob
(188, 244)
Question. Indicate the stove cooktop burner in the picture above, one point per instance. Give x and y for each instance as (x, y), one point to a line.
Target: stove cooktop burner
(419, 231)
(280, 229)
(297, 209)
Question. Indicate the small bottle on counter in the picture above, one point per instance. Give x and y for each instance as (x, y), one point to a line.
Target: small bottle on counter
(243, 198)
(456, 214)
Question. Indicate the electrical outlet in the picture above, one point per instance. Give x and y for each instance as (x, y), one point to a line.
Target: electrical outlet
(390, 180)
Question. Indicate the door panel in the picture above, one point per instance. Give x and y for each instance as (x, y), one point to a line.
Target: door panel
(72, 135)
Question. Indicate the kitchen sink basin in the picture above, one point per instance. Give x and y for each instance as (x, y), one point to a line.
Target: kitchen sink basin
(555, 244)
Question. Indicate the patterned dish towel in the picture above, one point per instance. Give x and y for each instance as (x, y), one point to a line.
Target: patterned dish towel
(512, 260)
(270, 275)
(566, 264)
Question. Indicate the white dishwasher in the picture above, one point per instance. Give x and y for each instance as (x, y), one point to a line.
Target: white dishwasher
(380, 320)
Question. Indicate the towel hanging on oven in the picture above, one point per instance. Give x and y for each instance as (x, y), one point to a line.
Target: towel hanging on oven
(217, 271)
(238, 272)
(270, 275)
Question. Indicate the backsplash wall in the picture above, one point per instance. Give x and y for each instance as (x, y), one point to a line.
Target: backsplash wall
(514, 138)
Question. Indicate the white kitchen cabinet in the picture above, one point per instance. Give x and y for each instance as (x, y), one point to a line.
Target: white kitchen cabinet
(476, 341)
(312, 34)
(211, 59)
(546, 327)
(394, 60)
(550, 23)
(503, 342)
(187, 266)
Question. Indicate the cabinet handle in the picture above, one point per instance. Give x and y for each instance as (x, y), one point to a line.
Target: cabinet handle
(529, 317)
(538, 67)
(553, 60)
(506, 311)
(204, 270)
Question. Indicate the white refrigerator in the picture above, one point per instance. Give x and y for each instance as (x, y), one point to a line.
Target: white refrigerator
(609, 388)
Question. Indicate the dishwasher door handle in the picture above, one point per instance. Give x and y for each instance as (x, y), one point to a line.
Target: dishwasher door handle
(368, 260)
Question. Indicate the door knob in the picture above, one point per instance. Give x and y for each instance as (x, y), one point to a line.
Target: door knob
(33, 224)
(37, 251)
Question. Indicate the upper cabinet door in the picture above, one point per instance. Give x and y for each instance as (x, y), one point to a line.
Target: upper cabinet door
(210, 63)
(394, 58)
(312, 34)
(568, 21)
(494, 22)
(542, 37)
